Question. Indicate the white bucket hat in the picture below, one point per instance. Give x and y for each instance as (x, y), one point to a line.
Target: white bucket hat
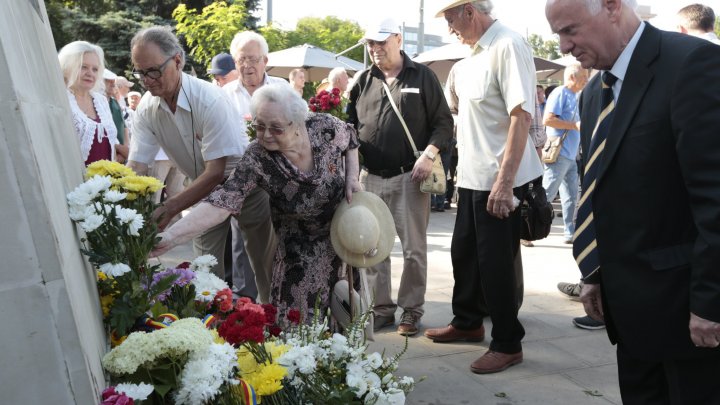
(450, 4)
(363, 232)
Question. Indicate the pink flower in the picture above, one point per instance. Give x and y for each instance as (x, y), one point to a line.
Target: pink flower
(110, 397)
(247, 117)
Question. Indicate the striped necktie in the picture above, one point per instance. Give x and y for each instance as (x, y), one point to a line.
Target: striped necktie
(585, 242)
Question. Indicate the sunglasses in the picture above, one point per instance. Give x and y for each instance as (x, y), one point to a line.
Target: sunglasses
(274, 131)
(371, 44)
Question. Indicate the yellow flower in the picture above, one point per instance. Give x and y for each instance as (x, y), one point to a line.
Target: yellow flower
(106, 301)
(107, 168)
(115, 340)
(246, 361)
(267, 380)
(141, 185)
(101, 276)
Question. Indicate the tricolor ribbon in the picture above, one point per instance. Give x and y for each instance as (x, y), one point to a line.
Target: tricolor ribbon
(248, 393)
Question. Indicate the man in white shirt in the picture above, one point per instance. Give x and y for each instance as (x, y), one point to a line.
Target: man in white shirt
(197, 127)
(496, 99)
(698, 20)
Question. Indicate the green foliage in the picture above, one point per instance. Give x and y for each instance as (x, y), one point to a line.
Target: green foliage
(547, 49)
(329, 33)
(276, 38)
(717, 26)
(210, 31)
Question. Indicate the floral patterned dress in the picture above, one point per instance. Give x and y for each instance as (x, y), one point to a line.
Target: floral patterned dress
(305, 266)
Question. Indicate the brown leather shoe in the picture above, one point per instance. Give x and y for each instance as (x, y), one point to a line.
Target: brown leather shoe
(452, 334)
(493, 362)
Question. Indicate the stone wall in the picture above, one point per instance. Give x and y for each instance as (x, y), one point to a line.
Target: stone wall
(50, 320)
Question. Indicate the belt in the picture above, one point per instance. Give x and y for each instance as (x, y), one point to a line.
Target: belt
(387, 173)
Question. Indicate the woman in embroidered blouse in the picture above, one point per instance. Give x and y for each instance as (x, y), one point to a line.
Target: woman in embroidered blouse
(307, 163)
(82, 64)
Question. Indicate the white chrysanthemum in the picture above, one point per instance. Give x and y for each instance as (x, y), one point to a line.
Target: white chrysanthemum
(300, 359)
(95, 185)
(408, 381)
(207, 285)
(115, 269)
(92, 222)
(204, 373)
(138, 392)
(113, 196)
(203, 263)
(78, 197)
(355, 379)
(181, 338)
(80, 212)
(135, 225)
(125, 215)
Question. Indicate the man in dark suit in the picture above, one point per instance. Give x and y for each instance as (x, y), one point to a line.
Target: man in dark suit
(650, 129)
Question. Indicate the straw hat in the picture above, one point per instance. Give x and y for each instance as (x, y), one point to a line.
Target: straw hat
(363, 232)
(450, 4)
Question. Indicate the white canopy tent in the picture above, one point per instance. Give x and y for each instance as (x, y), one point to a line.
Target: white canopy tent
(317, 62)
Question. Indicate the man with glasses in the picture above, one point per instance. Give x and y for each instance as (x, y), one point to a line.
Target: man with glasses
(391, 169)
(249, 51)
(195, 124)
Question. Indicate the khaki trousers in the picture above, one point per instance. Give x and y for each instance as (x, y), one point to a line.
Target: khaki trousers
(411, 212)
(259, 236)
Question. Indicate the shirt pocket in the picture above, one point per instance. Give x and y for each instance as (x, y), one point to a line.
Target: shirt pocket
(479, 89)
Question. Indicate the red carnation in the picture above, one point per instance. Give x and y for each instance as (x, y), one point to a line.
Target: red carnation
(270, 313)
(293, 316)
(223, 300)
(336, 91)
(275, 331)
(183, 265)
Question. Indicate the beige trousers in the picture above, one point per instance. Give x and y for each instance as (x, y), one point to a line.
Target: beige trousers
(411, 212)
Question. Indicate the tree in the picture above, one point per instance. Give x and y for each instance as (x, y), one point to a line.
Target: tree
(547, 49)
(329, 33)
(211, 31)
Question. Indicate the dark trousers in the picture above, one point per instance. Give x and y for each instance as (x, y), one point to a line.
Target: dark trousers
(669, 382)
(483, 253)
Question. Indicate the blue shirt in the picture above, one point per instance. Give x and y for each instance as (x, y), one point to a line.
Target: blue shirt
(563, 103)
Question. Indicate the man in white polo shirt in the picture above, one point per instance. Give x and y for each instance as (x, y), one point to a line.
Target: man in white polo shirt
(496, 99)
(197, 127)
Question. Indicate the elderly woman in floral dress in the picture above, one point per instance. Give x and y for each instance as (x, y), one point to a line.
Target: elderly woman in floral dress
(307, 163)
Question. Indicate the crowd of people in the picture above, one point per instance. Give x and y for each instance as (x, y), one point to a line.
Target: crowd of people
(640, 205)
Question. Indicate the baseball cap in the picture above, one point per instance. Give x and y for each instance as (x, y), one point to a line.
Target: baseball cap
(381, 31)
(222, 64)
(123, 82)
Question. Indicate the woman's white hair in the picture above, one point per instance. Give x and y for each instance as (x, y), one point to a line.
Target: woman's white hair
(295, 108)
(71, 59)
(243, 38)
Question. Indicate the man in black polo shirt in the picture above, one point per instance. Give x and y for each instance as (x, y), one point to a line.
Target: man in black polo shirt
(391, 169)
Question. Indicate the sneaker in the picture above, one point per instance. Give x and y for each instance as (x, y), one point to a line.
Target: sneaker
(568, 241)
(585, 322)
(408, 324)
(381, 321)
(572, 290)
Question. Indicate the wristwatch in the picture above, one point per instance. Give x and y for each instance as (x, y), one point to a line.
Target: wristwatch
(429, 155)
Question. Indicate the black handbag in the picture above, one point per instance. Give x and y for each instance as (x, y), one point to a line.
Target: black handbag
(537, 213)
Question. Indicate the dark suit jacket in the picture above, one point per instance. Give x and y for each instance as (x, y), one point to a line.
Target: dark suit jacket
(657, 198)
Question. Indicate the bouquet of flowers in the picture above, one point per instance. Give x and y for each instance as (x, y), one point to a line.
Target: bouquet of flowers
(329, 102)
(249, 128)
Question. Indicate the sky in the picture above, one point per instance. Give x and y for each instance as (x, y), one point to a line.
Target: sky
(524, 16)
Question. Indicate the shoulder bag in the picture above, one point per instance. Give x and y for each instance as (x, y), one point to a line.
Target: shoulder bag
(536, 212)
(553, 146)
(434, 183)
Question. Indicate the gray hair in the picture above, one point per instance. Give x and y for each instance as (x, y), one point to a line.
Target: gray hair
(243, 38)
(293, 73)
(296, 109)
(482, 6)
(163, 37)
(71, 59)
(697, 17)
(572, 71)
(335, 75)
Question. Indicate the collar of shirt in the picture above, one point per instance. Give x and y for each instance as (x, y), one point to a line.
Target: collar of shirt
(620, 67)
(487, 38)
(182, 97)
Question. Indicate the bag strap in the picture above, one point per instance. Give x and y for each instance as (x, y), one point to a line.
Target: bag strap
(564, 135)
(402, 121)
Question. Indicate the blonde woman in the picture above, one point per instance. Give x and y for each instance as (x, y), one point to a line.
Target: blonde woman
(82, 64)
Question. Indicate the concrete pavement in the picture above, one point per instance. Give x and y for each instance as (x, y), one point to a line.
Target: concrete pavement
(562, 364)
